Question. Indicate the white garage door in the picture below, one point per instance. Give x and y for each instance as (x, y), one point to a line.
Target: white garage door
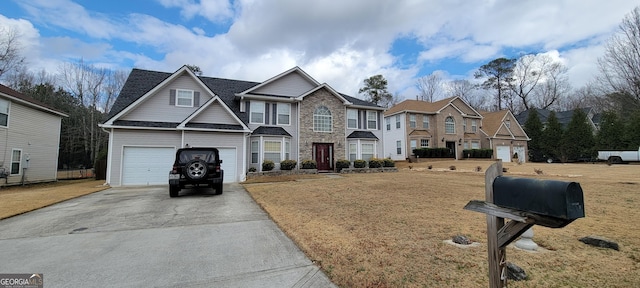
(147, 165)
(521, 156)
(228, 157)
(504, 153)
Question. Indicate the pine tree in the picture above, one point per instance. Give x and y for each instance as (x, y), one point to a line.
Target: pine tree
(534, 129)
(610, 135)
(631, 136)
(552, 137)
(578, 139)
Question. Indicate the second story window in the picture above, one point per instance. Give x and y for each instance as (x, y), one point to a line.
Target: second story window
(474, 126)
(352, 119)
(425, 121)
(464, 125)
(322, 120)
(284, 113)
(184, 98)
(4, 112)
(388, 123)
(397, 121)
(257, 112)
(412, 120)
(449, 125)
(372, 120)
(507, 123)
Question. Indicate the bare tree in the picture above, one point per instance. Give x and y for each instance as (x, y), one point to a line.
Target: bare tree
(528, 72)
(10, 57)
(554, 88)
(620, 65)
(114, 83)
(430, 87)
(467, 91)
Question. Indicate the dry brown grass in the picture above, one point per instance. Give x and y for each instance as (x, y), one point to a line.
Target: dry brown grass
(387, 229)
(21, 199)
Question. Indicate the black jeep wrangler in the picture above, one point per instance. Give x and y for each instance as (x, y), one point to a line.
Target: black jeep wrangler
(196, 166)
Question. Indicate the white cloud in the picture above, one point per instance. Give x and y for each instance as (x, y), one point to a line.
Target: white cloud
(213, 10)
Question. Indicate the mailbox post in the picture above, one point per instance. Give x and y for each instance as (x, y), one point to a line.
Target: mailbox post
(526, 202)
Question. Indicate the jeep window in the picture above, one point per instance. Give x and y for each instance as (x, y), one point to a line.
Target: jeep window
(207, 156)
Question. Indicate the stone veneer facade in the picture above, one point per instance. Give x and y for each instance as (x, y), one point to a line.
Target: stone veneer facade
(337, 136)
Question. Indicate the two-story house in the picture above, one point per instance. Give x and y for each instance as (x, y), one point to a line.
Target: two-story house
(450, 123)
(29, 139)
(289, 116)
(505, 136)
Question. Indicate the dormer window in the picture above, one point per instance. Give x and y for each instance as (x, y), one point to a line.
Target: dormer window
(184, 98)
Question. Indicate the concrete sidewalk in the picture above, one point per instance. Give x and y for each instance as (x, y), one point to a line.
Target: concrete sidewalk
(132, 237)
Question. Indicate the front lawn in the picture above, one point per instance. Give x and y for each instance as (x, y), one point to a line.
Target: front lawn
(387, 229)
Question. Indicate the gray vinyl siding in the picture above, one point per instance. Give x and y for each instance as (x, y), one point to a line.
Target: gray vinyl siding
(292, 85)
(215, 113)
(37, 133)
(140, 138)
(157, 107)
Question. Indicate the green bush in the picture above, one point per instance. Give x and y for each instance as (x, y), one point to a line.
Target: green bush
(389, 163)
(342, 164)
(477, 153)
(375, 163)
(433, 153)
(252, 169)
(359, 163)
(309, 164)
(288, 164)
(268, 165)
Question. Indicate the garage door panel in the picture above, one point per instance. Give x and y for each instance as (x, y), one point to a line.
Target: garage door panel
(229, 159)
(503, 153)
(147, 165)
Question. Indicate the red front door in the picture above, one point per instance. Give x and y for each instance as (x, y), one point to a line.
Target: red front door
(323, 153)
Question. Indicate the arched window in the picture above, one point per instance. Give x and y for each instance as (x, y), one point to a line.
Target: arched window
(322, 120)
(449, 125)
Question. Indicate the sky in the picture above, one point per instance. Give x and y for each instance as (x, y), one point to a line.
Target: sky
(339, 42)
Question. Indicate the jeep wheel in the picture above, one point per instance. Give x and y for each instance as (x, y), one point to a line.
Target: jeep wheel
(196, 169)
(218, 187)
(173, 190)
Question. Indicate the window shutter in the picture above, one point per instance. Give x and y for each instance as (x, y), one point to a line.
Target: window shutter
(196, 99)
(172, 97)
(359, 119)
(379, 120)
(275, 113)
(266, 113)
(247, 107)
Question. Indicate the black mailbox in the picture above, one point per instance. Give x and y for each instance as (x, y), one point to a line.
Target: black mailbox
(559, 199)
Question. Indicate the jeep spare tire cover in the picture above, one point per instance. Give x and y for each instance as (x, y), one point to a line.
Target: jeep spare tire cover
(196, 169)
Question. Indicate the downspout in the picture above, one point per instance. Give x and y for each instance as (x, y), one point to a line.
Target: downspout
(109, 156)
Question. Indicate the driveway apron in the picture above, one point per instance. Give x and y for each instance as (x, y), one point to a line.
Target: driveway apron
(139, 237)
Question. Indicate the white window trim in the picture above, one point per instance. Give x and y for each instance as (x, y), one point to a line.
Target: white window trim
(398, 126)
(257, 152)
(474, 126)
(355, 144)
(330, 121)
(425, 120)
(399, 147)
(421, 146)
(264, 151)
(13, 161)
(412, 121)
(278, 114)
(356, 118)
(178, 97)
(452, 123)
(252, 109)
(376, 119)
(388, 123)
(8, 111)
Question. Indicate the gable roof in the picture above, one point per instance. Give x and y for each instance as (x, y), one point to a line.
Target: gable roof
(417, 106)
(141, 83)
(564, 117)
(16, 96)
(493, 124)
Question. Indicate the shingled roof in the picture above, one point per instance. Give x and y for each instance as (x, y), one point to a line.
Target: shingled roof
(30, 101)
(142, 81)
(418, 106)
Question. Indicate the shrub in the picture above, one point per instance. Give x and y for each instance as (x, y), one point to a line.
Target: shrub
(389, 163)
(288, 164)
(252, 169)
(433, 153)
(309, 164)
(268, 165)
(375, 163)
(359, 163)
(342, 164)
(477, 153)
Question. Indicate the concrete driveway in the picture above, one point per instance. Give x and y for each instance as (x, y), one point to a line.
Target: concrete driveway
(139, 237)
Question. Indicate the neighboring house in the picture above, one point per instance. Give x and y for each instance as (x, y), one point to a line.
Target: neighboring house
(290, 116)
(29, 139)
(505, 136)
(450, 123)
(564, 117)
